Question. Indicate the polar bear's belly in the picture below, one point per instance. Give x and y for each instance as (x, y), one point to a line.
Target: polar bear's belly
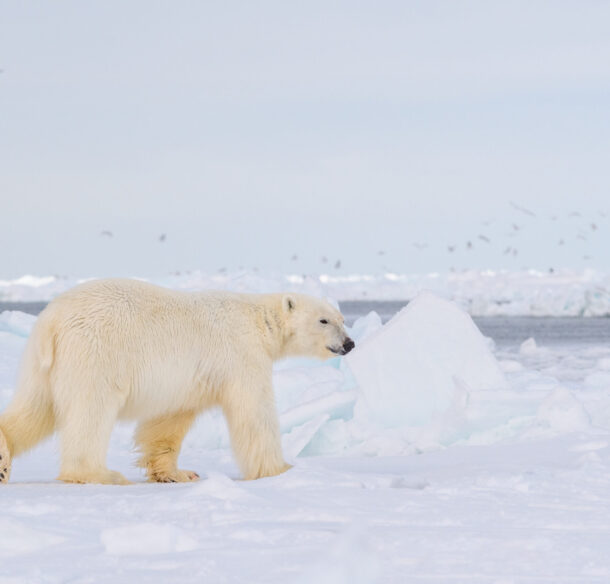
(165, 392)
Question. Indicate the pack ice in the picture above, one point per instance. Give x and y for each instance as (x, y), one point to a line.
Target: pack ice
(427, 358)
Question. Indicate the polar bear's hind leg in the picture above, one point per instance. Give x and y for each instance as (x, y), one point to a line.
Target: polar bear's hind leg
(159, 440)
(85, 427)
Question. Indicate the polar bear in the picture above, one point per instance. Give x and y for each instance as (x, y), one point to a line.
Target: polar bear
(125, 349)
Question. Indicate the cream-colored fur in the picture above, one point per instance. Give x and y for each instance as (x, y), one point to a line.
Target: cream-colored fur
(124, 349)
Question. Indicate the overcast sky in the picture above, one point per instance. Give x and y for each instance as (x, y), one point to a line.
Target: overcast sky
(386, 135)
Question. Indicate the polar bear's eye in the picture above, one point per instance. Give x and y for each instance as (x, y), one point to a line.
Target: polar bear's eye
(323, 321)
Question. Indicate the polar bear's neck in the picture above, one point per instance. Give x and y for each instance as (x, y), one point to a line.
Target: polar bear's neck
(272, 325)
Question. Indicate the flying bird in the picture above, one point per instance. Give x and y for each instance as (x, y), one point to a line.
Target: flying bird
(106, 233)
(162, 237)
(337, 264)
(484, 238)
(522, 209)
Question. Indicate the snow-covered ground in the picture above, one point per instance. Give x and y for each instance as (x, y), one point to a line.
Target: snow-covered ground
(458, 462)
(480, 293)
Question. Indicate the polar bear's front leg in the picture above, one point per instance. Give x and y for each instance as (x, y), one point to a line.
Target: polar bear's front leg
(160, 440)
(255, 433)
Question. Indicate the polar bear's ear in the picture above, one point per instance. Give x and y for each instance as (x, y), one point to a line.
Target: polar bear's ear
(288, 303)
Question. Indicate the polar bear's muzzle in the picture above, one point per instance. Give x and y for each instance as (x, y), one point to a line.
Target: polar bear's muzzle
(344, 349)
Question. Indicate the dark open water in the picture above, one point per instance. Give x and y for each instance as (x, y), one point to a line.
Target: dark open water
(504, 330)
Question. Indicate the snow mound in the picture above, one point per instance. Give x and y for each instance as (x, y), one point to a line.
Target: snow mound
(219, 486)
(599, 379)
(562, 412)
(365, 326)
(528, 347)
(17, 323)
(410, 370)
(146, 539)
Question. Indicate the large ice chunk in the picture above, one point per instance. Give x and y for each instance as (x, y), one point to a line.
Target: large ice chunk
(410, 370)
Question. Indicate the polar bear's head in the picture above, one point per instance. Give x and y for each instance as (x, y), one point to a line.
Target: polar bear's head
(314, 328)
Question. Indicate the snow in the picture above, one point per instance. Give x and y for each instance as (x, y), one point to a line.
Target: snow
(146, 539)
(506, 482)
(480, 293)
(23, 539)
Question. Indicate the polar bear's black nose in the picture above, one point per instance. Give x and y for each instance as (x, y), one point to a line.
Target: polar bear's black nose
(348, 345)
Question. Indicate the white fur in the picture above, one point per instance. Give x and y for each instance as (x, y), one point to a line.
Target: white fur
(113, 349)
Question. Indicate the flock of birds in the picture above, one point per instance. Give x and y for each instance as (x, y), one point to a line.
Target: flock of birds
(584, 229)
(515, 228)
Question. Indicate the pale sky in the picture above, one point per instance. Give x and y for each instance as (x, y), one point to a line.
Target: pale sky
(386, 135)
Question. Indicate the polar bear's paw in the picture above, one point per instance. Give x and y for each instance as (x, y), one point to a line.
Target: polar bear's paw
(103, 477)
(5, 460)
(264, 472)
(177, 476)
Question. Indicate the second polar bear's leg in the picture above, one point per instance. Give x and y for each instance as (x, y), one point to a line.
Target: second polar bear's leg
(255, 433)
(85, 422)
(160, 440)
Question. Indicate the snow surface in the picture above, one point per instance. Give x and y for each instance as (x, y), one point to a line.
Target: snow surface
(507, 482)
(480, 293)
